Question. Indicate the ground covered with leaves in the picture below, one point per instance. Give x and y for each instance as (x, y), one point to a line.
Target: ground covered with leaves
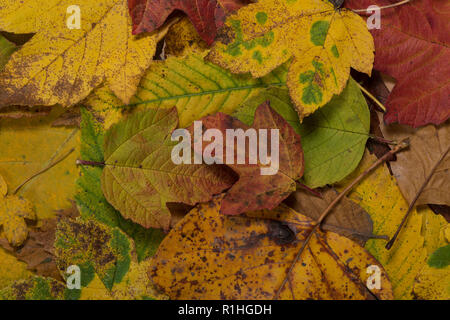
(358, 207)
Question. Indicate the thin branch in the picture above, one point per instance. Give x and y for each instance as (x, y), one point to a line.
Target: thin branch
(411, 206)
(400, 146)
(372, 97)
(385, 7)
(312, 191)
(48, 167)
(90, 163)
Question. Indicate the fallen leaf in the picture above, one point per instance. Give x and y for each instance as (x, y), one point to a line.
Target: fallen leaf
(11, 269)
(413, 166)
(95, 248)
(206, 15)
(262, 36)
(182, 38)
(347, 218)
(380, 196)
(28, 146)
(91, 201)
(35, 288)
(333, 138)
(61, 65)
(203, 89)
(212, 256)
(6, 50)
(13, 212)
(412, 46)
(255, 190)
(139, 176)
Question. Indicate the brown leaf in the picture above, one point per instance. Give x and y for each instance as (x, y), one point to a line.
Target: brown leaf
(413, 166)
(253, 190)
(347, 218)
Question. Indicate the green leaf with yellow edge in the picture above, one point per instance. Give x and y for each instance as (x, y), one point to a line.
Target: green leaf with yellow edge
(30, 145)
(321, 43)
(139, 177)
(333, 138)
(95, 248)
(195, 87)
(61, 65)
(35, 288)
(6, 49)
(213, 256)
(380, 196)
(90, 199)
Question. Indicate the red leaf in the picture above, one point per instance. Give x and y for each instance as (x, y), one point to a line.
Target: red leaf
(206, 15)
(413, 46)
(254, 191)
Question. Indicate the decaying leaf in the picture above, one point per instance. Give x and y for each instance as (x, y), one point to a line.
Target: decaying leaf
(213, 256)
(413, 166)
(182, 36)
(413, 46)
(380, 196)
(206, 15)
(347, 218)
(13, 212)
(256, 189)
(6, 49)
(333, 138)
(35, 288)
(61, 65)
(139, 176)
(322, 43)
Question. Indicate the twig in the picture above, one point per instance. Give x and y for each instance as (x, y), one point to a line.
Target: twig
(90, 163)
(51, 165)
(312, 191)
(372, 97)
(411, 206)
(385, 7)
(402, 145)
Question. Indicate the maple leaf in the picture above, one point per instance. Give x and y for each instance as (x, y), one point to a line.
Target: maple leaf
(212, 256)
(61, 65)
(413, 46)
(206, 15)
(13, 212)
(253, 190)
(262, 36)
(140, 178)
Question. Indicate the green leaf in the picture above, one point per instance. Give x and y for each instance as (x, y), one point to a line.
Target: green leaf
(333, 138)
(91, 201)
(440, 258)
(94, 247)
(6, 50)
(195, 87)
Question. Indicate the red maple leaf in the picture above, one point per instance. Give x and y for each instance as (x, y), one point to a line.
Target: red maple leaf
(253, 190)
(413, 46)
(206, 15)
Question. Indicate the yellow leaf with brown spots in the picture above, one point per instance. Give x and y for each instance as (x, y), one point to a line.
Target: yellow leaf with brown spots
(322, 43)
(213, 256)
(61, 65)
(380, 196)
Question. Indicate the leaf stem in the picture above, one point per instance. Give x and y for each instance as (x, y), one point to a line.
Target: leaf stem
(312, 191)
(372, 97)
(416, 197)
(402, 145)
(49, 166)
(385, 7)
(90, 163)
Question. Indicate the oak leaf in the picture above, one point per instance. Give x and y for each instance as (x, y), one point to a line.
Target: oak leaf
(321, 42)
(413, 46)
(61, 65)
(140, 178)
(213, 256)
(13, 212)
(206, 15)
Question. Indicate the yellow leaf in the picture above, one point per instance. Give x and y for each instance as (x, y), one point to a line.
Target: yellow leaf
(213, 256)
(3, 187)
(11, 269)
(182, 36)
(13, 212)
(380, 196)
(61, 65)
(322, 43)
(30, 145)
